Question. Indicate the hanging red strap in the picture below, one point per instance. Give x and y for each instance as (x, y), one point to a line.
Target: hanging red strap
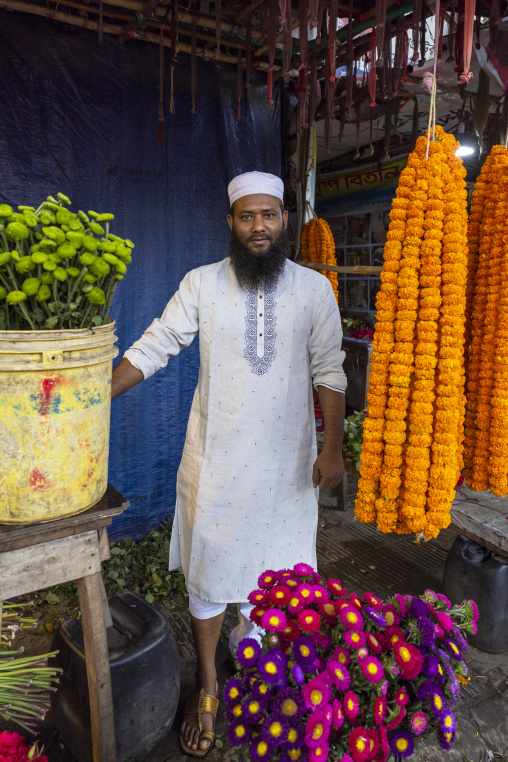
(313, 11)
(332, 38)
(372, 68)
(469, 9)
(160, 131)
(218, 28)
(320, 13)
(287, 44)
(380, 29)
(303, 15)
(194, 73)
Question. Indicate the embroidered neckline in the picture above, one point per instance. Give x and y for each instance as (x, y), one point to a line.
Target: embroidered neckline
(260, 365)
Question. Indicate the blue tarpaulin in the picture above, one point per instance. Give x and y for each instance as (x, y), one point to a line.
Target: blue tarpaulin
(82, 119)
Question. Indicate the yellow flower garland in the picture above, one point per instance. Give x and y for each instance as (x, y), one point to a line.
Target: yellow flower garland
(486, 425)
(318, 245)
(416, 397)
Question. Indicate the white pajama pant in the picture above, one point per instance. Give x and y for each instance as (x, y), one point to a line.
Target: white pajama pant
(245, 629)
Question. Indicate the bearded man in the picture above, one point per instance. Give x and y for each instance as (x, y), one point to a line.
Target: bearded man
(248, 481)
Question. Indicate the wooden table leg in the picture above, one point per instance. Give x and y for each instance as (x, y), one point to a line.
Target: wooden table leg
(97, 665)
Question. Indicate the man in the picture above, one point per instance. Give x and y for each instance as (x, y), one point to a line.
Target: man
(248, 479)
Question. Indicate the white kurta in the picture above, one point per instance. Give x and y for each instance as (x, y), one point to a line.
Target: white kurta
(245, 500)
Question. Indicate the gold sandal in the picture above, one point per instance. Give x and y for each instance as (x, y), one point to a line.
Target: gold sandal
(200, 704)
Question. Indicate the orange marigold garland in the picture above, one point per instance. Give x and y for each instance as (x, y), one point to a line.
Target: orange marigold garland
(416, 400)
(318, 245)
(486, 429)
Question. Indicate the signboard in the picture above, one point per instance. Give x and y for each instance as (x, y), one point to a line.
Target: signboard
(357, 190)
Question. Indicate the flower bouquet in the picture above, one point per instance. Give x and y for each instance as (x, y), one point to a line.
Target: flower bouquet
(338, 677)
(13, 749)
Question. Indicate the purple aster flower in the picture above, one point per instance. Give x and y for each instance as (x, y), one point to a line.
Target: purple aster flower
(253, 709)
(401, 743)
(239, 733)
(460, 639)
(304, 651)
(464, 667)
(452, 648)
(375, 616)
(431, 666)
(418, 609)
(233, 692)
(443, 654)
(295, 736)
(437, 702)
(298, 755)
(427, 631)
(261, 750)
(297, 674)
(446, 739)
(290, 703)
(248, 652)
(262, 689)
(272, 666)
(447, 721)
(425, 689)
(275, 728)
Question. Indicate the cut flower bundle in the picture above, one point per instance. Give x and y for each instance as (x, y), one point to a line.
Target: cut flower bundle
(486, 425)
(318, 245)
(413, 436)
(341, 678)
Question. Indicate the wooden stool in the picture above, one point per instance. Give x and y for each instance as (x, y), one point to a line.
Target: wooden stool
(37, 556)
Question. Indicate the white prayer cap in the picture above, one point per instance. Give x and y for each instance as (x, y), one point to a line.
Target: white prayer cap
(251, 183)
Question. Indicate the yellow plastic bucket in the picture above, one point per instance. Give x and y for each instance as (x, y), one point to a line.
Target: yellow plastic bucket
(55, 401)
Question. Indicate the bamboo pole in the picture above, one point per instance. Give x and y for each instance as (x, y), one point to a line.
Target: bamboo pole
(354, 270)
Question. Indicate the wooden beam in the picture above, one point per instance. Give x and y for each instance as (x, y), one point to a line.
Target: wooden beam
(356, 270)
(248, 10)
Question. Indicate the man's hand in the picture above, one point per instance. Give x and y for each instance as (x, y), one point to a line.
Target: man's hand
(125, 376)
(328, 469)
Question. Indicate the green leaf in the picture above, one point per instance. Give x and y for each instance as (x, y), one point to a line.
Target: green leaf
(52, 321)
(115, 550)
(120, 582)
(149, 598)
(52, 598)
(97, 320)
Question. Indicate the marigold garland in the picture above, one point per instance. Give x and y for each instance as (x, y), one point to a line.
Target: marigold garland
(486, 423)
(416, 397)
(318, 245)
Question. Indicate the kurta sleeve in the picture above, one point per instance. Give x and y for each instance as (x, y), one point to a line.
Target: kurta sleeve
(325, 342)
(175, 330)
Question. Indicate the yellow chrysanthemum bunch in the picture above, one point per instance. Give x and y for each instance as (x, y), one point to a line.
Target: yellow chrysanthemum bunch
(318, 245)
(486, 425)
(412, 445)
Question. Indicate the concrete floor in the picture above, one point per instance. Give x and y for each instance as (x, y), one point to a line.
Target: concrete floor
(363, 559)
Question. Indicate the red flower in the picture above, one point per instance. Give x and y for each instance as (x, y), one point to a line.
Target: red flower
(280, 594)
(408, 658)
(309, 620)
(397, 719)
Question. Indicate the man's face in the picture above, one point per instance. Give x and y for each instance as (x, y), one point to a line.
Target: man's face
(258, 221)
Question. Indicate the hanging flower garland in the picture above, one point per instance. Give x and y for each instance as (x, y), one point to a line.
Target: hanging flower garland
(411, 453)
(318, 245)
(486, 422)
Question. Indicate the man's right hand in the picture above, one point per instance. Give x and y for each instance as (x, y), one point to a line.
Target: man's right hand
(124, 377)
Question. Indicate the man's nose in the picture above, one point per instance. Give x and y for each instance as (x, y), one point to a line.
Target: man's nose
(258, 223)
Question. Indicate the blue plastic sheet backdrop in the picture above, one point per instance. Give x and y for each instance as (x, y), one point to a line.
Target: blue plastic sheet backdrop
(82, 119)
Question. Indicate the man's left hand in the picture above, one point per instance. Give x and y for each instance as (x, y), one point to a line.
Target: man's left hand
(328, 469)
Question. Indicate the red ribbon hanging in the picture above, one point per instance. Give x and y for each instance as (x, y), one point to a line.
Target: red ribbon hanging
(303, 14)
(467, 24)
(332, 38)
(287, 45)
(320, 13)
(372, 68)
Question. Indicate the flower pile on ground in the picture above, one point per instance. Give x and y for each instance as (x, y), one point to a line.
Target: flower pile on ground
(318, 245)
(356, 329)
(412, 445)
(338, 677)
(13, 749)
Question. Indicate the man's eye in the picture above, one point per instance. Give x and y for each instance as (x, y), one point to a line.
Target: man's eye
(270, 215)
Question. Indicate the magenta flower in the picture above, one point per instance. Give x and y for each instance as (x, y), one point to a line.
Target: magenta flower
(335, 587)
(360, 744)
(399, 717)
(322, 639)
(402, 604)
(356, 601)
(391, 615)
(373, 643)
(476, 613)
(380, 709)
(401, 697)
(257, 597)
(306, 593)
(267, 579)
(444, 599)
(320, 593)
(351, 618)
(445, 621)
(309, 620)
(316, 694)
(303, 570)
(248, 652)
(341, 654)
(320, 753)
(317, 730)
(354, 639)
(338, 714)
(373, 601)
(372, 669)
(328, 611)
(351, 705)
(409, 659)
(362, 653)
(339, 674)
(279, 594)
(295, 603)
(274, 620)
(402, 744)
(419, 723)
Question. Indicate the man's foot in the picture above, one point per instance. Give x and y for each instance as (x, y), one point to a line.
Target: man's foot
(197, 733)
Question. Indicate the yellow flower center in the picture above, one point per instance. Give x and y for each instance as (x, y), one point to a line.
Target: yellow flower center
(401, 744)
(438, 702)
(342, 658)
(360, 744)
(448, 736)
(329, 608)
(372, 668)
(253, 707)
(355, 637)
(448, 721)
(373, 641)
(309, 619)
(237, 711)
(292, 735)
(440, 669)
(294, 602)
(249, 652)
(262, 747)
(317, 732)
(240, 731)
(271, 668)
(305, 593)
(294, 754)
(390, 619)
(289, 708)
(263, 688)
(318, 752)
(316, 697)
(275, 729)
(404, 654)
(454, 648)
(274, 621)
(279, 594)
(318, 593)
(351, 616)
(233, 692)
(304, 650)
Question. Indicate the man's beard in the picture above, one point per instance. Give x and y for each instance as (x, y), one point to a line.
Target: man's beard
(255, 270)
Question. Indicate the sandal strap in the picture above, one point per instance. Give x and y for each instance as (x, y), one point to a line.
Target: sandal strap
(193, 704)
(208, 704)
(208, 735)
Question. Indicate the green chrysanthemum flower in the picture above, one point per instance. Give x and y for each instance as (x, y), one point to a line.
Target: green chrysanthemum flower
(90, 243)
(16, 231)
(46, 279)
(75, 238)
(44, 293)
(30, 286)
(30, 219)
(110, 259)
(24, 264)
(73, 272)
(108, 246)
(106, 217)
(76, 225)
(87, 259)
(121, 268)
(63, 216)
(96, 228)
(47, 218)
(66, 251)
(60, 274)
(89, 278)
(118, 277)
(129, 243)
(64, 199)
(99, 267)
(54, 233)
(14, 297)
(5, 256)
(96, 295)
(39, 257)
(5, 210)
(83, 217)
(49, 265)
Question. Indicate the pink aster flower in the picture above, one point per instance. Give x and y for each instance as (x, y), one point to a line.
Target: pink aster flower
(419, 723)
(394, 635)
(306, 592)
(322, 639)
(328, 611)
(445, 621)
(320, 753)
(317, 730)
(401, 697)
(279, 594)
(334, 585)
(351, 705)
(359, 744)
(439, 631)
(274, 620)
(257, 597)
(267, 579)
(303, 570)
(409, 658)
(391, 615)
(380, 709)
(373, 601)
(316, 694)
(339, 674)
(309, 620)
(397, 719)
(292, 583)
(354, 639)
(338, 714)
(356, 601)
(445, 600)
(351, 618)
(320, 593)
(372, 669)
(362, 653)
(402, 604)
(284, 574)
(342, 655)
(291, 631)
(373, 643)
(476, 613)
(295, 603)
(256, 615)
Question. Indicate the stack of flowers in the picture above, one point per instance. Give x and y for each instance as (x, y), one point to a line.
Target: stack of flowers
(341, 678)
(412, 446)
(318, 245)
(486, 429)
(13, 749)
